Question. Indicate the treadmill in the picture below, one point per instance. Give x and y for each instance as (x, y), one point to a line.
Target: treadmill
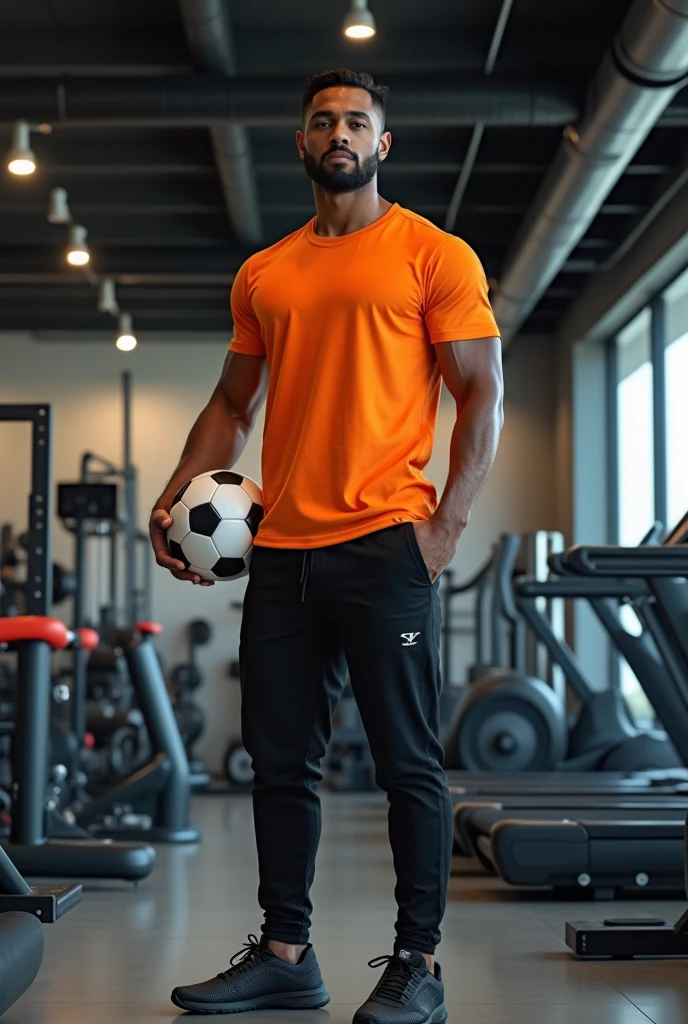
(590, 789)
(476, 820)
(604, 595)
(618, 850)
(626, 937)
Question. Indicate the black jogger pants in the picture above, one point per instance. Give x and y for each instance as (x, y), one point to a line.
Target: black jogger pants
(366, 604)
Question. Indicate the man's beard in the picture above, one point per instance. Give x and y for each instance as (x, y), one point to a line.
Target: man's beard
(338, 179)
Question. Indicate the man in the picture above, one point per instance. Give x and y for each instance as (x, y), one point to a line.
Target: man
(349, 325)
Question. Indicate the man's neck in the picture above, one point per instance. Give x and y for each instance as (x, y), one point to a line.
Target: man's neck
(341, 213)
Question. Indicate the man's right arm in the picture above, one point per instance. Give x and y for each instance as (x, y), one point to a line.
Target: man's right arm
(217, 439)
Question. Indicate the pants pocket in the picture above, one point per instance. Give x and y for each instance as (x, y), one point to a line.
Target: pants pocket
(414, 548)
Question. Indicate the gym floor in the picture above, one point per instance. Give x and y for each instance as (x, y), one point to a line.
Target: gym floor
(116, 957)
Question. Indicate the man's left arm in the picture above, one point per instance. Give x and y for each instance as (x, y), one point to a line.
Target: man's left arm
(472, 371)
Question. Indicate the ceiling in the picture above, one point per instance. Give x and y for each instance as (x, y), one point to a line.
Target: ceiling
(150, 194)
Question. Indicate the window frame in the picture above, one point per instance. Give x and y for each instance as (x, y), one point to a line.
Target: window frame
(658, 342)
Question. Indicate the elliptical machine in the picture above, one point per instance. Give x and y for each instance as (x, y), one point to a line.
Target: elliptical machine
(510, 721)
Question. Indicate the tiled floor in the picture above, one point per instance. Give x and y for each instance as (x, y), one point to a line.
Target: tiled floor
(116, 956)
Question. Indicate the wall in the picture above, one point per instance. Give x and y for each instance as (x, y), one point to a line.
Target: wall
(563, 439)
(171, 383)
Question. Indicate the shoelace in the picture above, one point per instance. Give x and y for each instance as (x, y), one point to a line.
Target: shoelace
(395, 981)
(246, 957)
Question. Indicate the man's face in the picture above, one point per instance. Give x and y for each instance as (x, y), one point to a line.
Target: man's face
(341, 144)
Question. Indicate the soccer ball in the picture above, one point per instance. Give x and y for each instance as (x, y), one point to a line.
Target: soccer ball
(215, 518)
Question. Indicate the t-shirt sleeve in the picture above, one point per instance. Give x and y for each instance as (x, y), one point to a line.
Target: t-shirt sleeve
(456, 304)
(247, 337)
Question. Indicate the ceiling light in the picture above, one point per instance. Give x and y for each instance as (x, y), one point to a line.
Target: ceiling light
(126, 339)
(78, 253)
(107, 300)
(21, 159)
(58, 211)
(359, 23)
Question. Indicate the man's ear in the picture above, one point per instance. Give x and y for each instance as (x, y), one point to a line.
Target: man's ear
(384, 145)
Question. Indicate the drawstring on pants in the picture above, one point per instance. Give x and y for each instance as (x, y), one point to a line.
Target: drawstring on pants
(306, 567)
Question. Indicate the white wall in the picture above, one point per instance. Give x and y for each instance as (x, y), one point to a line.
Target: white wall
(171, 383)
(520, 494)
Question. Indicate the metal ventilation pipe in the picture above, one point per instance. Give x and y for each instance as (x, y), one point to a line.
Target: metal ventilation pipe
(209, 35)
(640, 74)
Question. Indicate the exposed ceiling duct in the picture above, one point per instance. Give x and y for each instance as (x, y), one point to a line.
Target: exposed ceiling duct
(639, 75)
(205, 99)
(209, 35)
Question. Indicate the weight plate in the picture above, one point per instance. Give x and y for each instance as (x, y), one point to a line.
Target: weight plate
(508, 741)
(509, 723)
(238, 765)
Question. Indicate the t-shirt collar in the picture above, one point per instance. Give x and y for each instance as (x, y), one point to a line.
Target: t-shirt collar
(325, 240)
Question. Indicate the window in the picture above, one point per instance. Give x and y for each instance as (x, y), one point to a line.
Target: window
(635, 468)
(651, 421)
(635, 430)
(676, 372)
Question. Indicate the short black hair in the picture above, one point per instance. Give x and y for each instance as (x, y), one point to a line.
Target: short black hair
(343, 76)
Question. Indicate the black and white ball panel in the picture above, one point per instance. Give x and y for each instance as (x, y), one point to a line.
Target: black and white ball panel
(204, 519)
(200, 551)
(215, 518)
(199, 491)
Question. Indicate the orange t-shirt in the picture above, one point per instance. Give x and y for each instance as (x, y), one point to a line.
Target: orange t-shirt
(347, 325)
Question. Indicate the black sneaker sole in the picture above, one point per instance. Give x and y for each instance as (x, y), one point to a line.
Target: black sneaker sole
(311, 1000)
(438, 1016)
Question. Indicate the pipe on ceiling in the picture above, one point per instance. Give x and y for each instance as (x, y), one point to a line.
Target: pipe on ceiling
(640, 74)
(209, 35)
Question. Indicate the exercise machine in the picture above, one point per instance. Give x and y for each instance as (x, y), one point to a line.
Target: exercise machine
(33, 637)
(152, 803)
(623, 938)
(24, 909)
(512, 721)
(622, 846)
(186, 678)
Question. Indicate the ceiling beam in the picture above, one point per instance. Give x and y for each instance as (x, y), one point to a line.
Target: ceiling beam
(150, 50)
(160, 262)
(116, 193)
(118, 168)
(65, 278)
(75, 311)
(188, 100)
(81, 291)
(193, 224)
(95, 327)
(120, 229)
(297, 49)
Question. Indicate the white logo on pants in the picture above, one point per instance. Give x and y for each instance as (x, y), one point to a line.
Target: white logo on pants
(410, 639)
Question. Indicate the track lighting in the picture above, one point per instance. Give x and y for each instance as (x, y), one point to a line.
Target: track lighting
(126, 339)
(107, 300)
(359, 23)
(58, 211)
(21, 159)
(78, 252)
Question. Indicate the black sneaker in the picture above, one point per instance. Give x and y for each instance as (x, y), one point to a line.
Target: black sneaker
(257, 979)
(407, 993)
